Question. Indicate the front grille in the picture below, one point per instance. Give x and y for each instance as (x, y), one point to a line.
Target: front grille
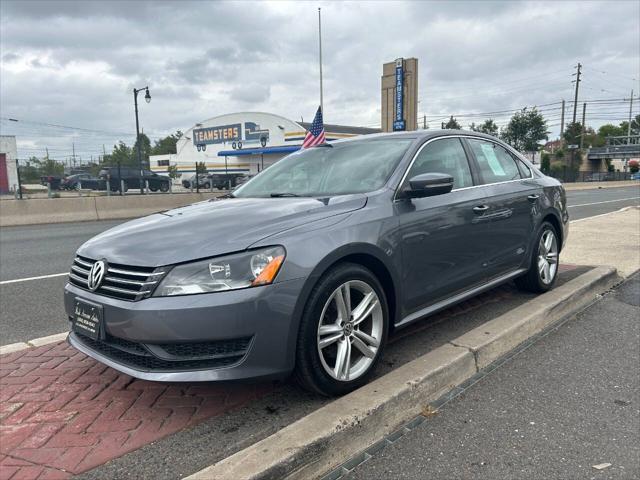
(140, 356)
(121, 281)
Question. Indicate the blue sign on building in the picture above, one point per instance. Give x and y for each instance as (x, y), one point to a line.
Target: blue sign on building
(399, 123)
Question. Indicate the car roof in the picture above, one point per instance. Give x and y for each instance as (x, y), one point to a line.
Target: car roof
(418, 135)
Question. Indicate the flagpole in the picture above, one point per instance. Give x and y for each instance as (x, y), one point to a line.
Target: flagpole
(320, 48)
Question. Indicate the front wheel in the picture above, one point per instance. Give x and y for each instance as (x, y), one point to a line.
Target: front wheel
(543, 271)
(164, 187)
(342, 332)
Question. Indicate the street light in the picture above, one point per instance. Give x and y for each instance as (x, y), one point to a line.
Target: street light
(147, 97)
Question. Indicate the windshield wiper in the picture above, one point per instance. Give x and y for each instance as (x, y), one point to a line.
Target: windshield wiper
(283, 194)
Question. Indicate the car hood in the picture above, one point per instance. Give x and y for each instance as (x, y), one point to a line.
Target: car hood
(210, 228)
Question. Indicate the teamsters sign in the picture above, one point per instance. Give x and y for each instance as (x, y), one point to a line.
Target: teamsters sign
(220, 134)
(398, 123)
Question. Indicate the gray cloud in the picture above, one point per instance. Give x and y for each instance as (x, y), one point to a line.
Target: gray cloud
(75, 63)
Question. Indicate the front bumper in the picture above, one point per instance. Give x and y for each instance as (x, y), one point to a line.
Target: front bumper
(231, 335)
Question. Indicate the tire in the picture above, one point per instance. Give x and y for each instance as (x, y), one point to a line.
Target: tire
(534, 280)
(317, 367)
(207, 185)
(164, 187)
(153, 189)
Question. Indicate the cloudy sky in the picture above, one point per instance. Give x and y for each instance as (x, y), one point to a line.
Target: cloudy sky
(73, 64)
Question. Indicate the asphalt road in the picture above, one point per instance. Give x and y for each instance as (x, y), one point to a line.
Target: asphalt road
(564, 405)
(33, 308)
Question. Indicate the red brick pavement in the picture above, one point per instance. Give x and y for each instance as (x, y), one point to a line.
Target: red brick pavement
(63, 413)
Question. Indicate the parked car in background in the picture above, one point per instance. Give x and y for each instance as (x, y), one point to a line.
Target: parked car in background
(131, 178)
(204, 181)
(635, 176)
(53, 180)
(310, 265)
(225, 181)
(244, 179)
(79, 180)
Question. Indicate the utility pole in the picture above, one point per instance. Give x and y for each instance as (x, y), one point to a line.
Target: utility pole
(562, 121)
(575, 101)
(424, 122)
(104, 153)
(630, 113)
(584, 114)
(320, 58)
(46, 149)
(73, 146)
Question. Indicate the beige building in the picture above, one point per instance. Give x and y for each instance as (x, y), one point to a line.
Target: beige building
(399, 99)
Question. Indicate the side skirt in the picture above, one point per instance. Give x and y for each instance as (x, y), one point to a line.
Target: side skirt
(447, 302)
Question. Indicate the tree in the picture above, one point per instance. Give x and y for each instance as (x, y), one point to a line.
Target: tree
(172, 170)
(167, 144)
(545, 163)
(572, 133)
(452, 124)
(145, 150)
(634, 166)
(635, 125)
(488, 126)
(121, 155)
(609, 130)
(525, 130)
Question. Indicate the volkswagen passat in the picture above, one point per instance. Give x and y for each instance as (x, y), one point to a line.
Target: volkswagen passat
(310, 265)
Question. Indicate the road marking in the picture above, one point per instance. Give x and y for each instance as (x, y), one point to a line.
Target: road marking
(601, 215)
(606, 201)
(28, 279)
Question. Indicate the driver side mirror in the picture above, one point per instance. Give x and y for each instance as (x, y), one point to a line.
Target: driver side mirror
(428, 185)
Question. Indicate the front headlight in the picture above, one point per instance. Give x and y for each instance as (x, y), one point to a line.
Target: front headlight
(241, 270)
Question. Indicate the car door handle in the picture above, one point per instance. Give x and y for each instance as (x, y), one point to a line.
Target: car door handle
(480, 209)
(533, 198)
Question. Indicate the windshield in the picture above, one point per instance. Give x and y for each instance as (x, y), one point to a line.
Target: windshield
(333, 169)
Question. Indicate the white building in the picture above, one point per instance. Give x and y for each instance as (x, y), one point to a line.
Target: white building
(245, 142)
(8, 167)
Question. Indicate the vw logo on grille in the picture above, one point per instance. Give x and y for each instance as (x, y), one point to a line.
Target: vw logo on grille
(96, 274)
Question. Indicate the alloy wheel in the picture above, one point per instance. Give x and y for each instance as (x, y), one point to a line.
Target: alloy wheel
(548, 257)
(350, 330)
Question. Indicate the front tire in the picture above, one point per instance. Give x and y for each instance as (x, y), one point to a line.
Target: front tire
(342, 332)
(545, 259)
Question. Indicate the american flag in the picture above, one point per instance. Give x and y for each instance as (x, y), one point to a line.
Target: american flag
(315, 136)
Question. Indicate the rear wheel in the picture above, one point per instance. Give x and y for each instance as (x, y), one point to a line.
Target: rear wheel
(342, 332)
(164, 187)
(543, 272)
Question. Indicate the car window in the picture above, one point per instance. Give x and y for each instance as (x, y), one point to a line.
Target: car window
(444, 156)
(496, 164)
(525, 171)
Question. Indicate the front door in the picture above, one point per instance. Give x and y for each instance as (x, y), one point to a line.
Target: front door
(443, 238)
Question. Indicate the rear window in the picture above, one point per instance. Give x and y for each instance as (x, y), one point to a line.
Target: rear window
(496, 164)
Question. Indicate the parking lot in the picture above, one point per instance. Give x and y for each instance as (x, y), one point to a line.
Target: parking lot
(67, 414)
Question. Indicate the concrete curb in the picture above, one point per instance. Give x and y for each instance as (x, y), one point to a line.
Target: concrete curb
(36, 342)
(336, 432)
(590, 185)
(79, 209)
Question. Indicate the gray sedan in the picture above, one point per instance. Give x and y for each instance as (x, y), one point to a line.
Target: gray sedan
(309, 266)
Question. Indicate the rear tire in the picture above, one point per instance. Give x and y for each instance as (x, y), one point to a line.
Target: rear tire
(343, 331)
(164, 187)
(545, 258)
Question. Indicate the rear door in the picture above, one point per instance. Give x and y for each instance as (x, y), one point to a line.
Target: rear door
(443, 243)
(512, 197)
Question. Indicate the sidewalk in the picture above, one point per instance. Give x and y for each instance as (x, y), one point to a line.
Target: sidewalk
(566, 404)
(611, 239)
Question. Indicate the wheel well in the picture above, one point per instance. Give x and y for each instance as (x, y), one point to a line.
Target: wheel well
(380, 271)
(553, 220)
